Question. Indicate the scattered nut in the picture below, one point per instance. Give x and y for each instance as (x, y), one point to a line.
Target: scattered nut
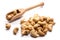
(15, 30)
(8, 25)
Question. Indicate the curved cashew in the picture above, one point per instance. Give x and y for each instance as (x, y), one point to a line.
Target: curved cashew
(40, 32)
(15, 30)
(34, 33)
(25, 32)
(50, 27)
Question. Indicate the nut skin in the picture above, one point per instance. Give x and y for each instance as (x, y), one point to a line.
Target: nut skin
(15, 30)
(8, 25)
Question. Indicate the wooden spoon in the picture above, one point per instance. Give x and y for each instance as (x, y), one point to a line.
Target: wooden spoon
(13, 15)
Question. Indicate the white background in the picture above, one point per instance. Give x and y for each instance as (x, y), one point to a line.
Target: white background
(51, 8)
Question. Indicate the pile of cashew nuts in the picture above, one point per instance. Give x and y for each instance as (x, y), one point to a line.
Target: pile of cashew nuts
(37, 26)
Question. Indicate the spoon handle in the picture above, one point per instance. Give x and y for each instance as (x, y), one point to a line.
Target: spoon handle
(41, 4)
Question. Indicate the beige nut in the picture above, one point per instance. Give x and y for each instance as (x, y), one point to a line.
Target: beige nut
(45, 26)
(36, 25)
(22, 21)
(10, 15)
(50, 27)
(36, 17)
(32, 23)
(15, 30)
(45, 30)
(41, 23)
(8, 25)
(40, 32)
(49, 19)
(29, 27)
(24, 32)
(50, 22)
(34, 33)
(43, 18)
(26, 23)
(30, 19)
(23, 26)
